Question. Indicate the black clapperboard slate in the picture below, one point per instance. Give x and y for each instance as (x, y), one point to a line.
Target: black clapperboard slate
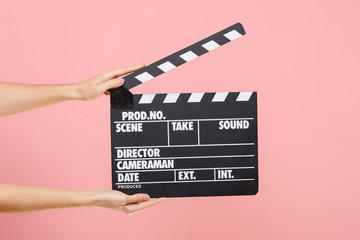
(184, 144)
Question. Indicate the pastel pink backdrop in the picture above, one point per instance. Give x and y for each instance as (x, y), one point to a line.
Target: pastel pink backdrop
(302, 57)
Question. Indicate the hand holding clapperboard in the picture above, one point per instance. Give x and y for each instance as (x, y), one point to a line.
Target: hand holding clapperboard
(184, 144)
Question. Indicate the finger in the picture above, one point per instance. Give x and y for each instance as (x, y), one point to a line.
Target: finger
(132, 208)
(140, 197)
(121, 71)
(107, 93)
(113, 83)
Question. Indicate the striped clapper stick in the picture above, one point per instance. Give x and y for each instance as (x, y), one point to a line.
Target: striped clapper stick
(185, 55)
(185, 144)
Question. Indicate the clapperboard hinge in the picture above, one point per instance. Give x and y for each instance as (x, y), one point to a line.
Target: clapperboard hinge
(122, 98)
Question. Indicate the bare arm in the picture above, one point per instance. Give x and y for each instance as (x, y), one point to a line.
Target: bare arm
(16, 97)
(14, 198)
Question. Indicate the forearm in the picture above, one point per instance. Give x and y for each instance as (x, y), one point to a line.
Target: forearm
(14, 198)
(15, 97)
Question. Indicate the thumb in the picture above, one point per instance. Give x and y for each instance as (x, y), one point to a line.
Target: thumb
(113, 83)
(139, 197)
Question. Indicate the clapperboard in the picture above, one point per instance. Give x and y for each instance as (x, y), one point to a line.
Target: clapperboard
(184, 144)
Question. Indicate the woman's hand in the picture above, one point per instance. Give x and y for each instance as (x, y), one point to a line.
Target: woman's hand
(102, 82)
(122, 202)
(18, 97)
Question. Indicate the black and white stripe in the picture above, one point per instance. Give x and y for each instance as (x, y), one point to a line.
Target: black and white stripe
(185, 55)
(193, 97)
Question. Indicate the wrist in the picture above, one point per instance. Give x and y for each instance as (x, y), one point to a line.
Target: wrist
(94, 198)
(74, 91)
(85, 198)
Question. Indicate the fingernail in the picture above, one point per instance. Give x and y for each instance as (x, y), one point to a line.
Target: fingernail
(120, 81)
(146, 197)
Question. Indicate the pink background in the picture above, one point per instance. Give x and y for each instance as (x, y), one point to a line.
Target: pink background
(302, 57)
